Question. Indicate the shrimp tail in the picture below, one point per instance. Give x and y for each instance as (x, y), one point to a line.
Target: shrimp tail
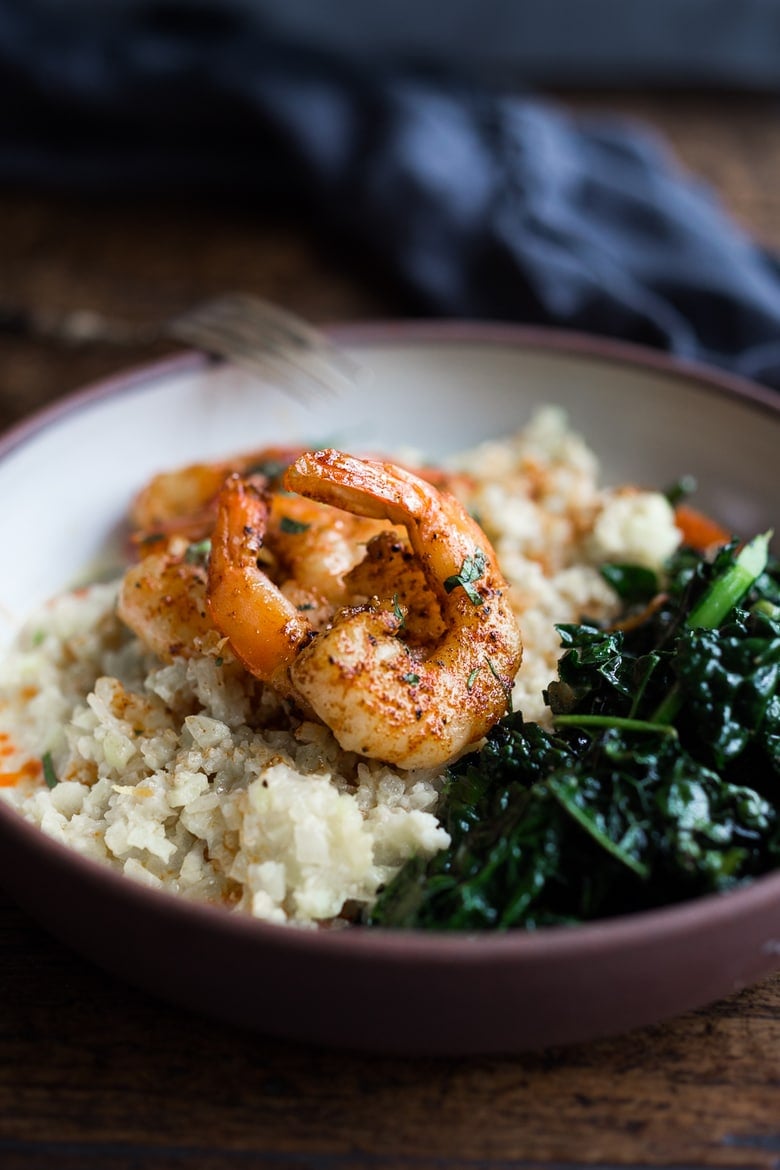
(264, 629)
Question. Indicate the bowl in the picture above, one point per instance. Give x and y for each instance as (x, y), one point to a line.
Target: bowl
(66, 476)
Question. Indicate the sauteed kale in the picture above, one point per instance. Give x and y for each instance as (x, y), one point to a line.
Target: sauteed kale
(660, 780)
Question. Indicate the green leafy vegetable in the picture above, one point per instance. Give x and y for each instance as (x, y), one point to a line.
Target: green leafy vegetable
(723, 593)
(680, 490)
(632, 583)
(639, 795)
(728, 589)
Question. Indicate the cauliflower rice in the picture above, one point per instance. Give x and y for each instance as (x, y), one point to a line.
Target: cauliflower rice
(194, 778)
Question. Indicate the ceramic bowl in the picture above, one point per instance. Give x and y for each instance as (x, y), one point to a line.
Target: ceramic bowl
(66, 477)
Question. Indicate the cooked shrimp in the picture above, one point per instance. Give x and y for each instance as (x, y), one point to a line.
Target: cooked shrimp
(304, 548)
(264, 628)
(314, 546)
(381, 697)
(163, 600)
(276, 571)
(391, 569)
(416, 672)
(184, 501)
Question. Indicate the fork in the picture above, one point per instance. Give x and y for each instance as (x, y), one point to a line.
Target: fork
(268, 341)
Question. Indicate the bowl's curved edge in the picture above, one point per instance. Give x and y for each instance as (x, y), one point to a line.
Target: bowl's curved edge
(554, 340)
(424, 331)
(123, 382)
(397, 991)
(359, 967)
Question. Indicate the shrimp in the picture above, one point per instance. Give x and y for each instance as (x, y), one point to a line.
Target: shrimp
(264, 628)
(277, 569)
(382, 696)
(402, 642)
(390, 569)
(305, 550)
(184, 501)
(163, 600)
(315, 547)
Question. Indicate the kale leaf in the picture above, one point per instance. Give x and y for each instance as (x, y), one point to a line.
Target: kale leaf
(637, 797)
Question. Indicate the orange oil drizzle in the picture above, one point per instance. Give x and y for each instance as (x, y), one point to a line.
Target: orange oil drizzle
(30, 770)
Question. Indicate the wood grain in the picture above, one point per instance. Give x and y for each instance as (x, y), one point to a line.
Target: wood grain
(89, 1065)
(94, 1073)
(139, 264)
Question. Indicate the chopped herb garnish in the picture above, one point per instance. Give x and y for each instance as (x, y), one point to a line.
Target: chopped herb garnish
(398, 612)
(49, 775)
(270, 468)
(219, 661)
(293, 527)
(472, 678)
(198, 553)
(471, 570)
(506, 687)
(410, 678)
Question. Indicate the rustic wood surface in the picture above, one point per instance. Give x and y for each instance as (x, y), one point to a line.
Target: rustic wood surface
(94, 1073)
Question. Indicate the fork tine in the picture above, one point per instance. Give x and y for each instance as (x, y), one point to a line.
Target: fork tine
(293, 381)
(297, 332)
(256, 355)
(267, 340)
(254, 336)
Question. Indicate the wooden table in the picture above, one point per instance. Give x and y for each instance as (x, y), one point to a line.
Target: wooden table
(96, 1074)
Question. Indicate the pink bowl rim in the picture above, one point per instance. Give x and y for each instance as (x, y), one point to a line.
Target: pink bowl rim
(402, 946)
